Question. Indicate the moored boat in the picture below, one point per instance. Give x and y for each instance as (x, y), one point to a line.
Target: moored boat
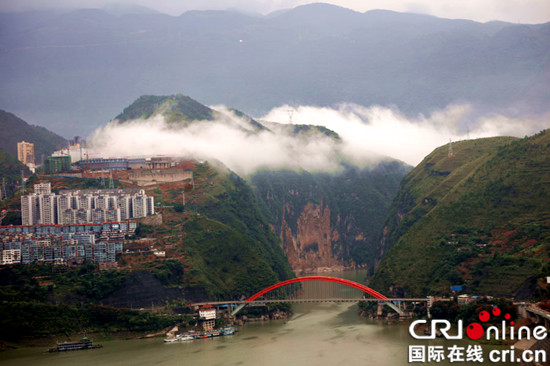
(229, 330)
(185, 337)
(84, 343)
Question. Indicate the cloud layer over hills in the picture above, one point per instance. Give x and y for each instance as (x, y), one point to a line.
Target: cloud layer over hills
(367, 135)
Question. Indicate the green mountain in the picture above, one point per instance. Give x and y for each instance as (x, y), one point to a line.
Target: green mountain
(14, 130)
(174, 108)
(480, 219)
(182, 110)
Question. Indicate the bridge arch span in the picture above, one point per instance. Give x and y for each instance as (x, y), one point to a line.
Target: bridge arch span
(342, 281)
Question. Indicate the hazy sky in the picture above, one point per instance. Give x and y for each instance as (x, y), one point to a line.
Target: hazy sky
(522, 11)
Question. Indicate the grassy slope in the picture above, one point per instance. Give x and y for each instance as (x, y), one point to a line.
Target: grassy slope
(493, 192)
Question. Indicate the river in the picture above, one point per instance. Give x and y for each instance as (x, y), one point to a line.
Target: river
(317, 334)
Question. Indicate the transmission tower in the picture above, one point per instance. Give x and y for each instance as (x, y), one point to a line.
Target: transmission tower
(102, 180)
(111, 183)
(451, 153)
(3, 194)
(290, 113)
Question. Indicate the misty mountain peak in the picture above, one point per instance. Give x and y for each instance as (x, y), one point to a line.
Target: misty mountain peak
(174, 108)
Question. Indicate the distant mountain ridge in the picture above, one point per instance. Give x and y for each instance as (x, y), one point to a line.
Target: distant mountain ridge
(315, 54)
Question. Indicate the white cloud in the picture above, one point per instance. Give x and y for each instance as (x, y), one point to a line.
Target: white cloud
(367, 134)
(236, 147)
(387, 132)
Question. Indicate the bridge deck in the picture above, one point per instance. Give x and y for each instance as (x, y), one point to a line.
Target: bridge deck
(237, 302)
(538, 311)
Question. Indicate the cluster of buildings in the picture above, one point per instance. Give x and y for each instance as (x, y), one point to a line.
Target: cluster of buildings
(76, 156)
(64, 244)
(51, 165)
(71, 226)
(84, 206)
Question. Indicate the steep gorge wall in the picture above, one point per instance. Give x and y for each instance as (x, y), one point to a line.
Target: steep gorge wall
(309, 248)
(328, 221)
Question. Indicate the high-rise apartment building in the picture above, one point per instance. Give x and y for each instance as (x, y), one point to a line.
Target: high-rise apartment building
(25, 152)
(125, 206)
(29, 209)
(48, 204)
(43, 188)
(84, 206)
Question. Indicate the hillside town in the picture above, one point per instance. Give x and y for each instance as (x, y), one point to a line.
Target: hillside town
(70, 226)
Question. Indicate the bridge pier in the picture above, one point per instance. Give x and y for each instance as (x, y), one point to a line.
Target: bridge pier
(379, 310)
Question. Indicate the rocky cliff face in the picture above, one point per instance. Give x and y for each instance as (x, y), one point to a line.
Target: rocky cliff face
(328, 221)
(309, 248)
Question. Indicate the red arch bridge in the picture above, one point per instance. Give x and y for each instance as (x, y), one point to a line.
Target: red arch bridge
(272, 294)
